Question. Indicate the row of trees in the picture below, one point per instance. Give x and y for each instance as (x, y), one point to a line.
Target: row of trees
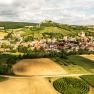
(6, 67)
(80, 52)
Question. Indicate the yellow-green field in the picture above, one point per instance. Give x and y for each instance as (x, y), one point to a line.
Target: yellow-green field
(91, 57)
(76, 64)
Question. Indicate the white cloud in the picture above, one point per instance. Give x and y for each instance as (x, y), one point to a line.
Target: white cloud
(6, 2)
(66, 11)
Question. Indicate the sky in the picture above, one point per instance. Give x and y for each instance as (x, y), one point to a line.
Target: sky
(80, 12)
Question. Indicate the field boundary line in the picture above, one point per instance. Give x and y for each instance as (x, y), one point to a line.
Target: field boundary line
(58, 75)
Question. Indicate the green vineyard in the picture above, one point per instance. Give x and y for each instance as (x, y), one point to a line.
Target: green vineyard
(71, 86)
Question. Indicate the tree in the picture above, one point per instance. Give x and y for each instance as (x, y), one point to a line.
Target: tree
(5, 46)
(28, 38)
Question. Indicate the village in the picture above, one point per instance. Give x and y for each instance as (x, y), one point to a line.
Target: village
(46, 44)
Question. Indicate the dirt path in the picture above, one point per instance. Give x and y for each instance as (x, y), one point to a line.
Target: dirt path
(46, 76)
(34, 85)
(43, 66)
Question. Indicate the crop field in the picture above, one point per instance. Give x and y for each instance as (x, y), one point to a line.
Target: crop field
(76, 64)
(34, 85)
(91, 57)
(43, 66)
(69, 85)
(86, 64)
(89, 79)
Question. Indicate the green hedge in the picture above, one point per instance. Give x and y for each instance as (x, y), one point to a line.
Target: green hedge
(7, 61)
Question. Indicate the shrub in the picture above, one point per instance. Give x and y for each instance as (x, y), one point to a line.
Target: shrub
(3, 69)
(11, 61)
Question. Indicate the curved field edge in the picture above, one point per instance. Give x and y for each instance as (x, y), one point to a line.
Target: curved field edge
(89, 79)
(3, 78)
(70, 85)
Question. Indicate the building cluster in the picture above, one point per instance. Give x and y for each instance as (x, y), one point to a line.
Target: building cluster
(68, 43)
(73, 44)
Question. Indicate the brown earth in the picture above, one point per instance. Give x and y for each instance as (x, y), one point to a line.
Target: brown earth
(43, 66)
(34, 85)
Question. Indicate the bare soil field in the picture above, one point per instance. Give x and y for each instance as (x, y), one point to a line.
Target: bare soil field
(43, 66)
(34, 85)
(91, 57)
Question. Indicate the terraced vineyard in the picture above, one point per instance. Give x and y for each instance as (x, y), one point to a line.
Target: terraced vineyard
(69, 85)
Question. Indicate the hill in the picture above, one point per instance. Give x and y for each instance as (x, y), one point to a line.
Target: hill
(71, 30)
(50, 27)
(14, 25)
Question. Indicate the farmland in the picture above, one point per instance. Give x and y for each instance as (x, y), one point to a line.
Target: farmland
(76, 64)
(32, 78)
(83, 62)
(71, 85)
(42, 66)
(34, 85)
(91, 57)
(89, 79)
